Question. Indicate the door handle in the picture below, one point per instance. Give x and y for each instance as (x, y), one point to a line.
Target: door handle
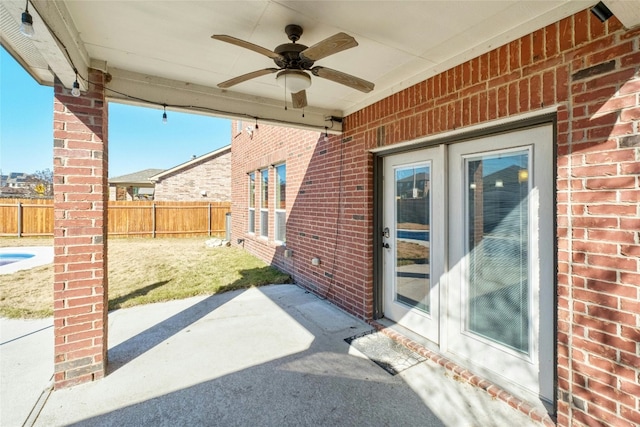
(385, 245)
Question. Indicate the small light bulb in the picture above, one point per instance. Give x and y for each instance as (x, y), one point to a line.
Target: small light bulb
(164, 113)
(26, 27)
(76, 89)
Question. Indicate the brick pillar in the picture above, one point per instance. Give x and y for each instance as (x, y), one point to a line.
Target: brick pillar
(80, 233)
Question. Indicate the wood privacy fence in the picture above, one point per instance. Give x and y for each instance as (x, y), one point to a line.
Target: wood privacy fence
(34, 217)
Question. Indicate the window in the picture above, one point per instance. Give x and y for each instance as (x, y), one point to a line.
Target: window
(281, 203)
(497, 243)
(264, 203)
(252, 203)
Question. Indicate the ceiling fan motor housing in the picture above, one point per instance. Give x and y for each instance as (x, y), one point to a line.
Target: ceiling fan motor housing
(291, 58)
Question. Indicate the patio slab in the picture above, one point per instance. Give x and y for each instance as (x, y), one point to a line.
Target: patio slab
(269, 356)
(26, 366)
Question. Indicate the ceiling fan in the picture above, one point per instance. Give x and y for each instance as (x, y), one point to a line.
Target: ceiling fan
(295, 60)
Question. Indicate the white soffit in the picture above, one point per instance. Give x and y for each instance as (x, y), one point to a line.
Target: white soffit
(627, 11)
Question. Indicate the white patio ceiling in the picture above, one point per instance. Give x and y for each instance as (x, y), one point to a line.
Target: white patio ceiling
(162, 51)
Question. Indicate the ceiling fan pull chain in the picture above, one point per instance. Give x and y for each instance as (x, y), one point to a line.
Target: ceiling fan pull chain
(285, 92)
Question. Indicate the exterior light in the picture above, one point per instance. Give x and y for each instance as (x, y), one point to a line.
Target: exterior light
(164, 114)
(293, 80)
(26, 27)
(76, 88)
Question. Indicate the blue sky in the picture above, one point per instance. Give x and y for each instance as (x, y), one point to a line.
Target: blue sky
(137, 137)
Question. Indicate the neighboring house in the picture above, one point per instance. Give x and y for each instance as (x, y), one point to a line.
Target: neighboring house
(15, 185)
(207, 177)
(489, 212)
(133, 186)
(18, 180)
(22, 185)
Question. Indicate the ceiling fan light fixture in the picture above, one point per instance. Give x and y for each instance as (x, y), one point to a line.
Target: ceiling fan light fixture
(293, 80)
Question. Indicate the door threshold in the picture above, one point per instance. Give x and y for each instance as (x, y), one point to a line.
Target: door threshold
(537, 411)
(419, 339)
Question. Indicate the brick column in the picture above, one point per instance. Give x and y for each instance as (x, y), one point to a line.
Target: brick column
(80, 233)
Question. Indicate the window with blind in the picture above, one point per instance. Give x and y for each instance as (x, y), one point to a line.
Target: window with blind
(264, 203)
(252, 203)
(281, 203)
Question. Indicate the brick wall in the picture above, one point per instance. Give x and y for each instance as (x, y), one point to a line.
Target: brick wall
(80, 239)
(211, 175)
(589, 72)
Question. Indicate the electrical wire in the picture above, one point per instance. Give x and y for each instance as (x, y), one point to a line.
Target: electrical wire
(338, 220)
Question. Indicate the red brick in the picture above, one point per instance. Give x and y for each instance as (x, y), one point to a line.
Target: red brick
(611, 53)
(565, 34)
(551, 40)
(611, 236)
(581, 27)
(611, 183)
(611, 288)
(608, 209)
(611, 315)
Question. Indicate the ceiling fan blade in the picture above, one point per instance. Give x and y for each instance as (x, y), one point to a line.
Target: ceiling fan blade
(334, 44)
(343, 78)
(299, 99)
(245, 44)
(243, 78)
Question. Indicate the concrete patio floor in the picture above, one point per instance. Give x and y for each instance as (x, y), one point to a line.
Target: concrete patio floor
(269, 356)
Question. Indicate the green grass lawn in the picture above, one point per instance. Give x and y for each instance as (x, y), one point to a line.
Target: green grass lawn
(141, 271)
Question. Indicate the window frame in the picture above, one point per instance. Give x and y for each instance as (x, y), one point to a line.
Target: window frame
(251, 205)
(264, 203)
(279, 201)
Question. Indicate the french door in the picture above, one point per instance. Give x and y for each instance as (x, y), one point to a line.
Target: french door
(469, 262)
(412, 239)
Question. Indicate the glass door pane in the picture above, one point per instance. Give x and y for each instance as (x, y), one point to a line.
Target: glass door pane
(413, 239)
(413, 211)
(497, 211)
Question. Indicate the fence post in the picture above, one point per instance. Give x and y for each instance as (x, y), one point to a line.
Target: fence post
(153, 219)
(209, 220)
(19, 219)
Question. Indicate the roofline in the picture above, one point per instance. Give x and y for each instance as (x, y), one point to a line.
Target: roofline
(157, 177)
(126, 178)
